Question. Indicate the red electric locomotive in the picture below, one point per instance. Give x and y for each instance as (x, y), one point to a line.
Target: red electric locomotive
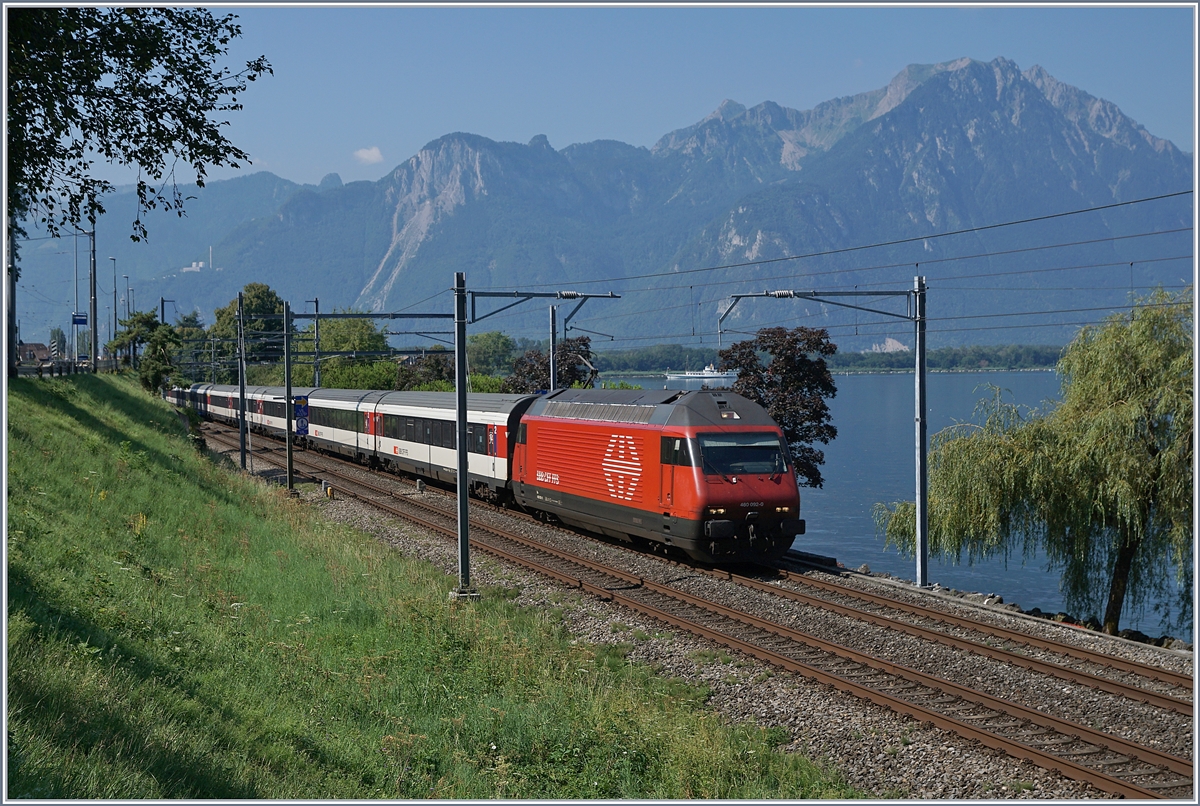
(707, 472)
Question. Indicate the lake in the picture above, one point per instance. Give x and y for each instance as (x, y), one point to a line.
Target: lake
(872, 460)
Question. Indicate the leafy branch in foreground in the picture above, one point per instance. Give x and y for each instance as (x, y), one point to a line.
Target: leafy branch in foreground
(129, 86)
(1102, 482)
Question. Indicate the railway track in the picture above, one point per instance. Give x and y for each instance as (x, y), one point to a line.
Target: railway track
(1108, 762)
(878, 610)
(1161, 687)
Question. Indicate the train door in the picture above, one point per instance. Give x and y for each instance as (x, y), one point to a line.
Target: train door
(672, 449)
(372, 430)
(491, 448)
(519, 459)
(666, 490)
(673, 452)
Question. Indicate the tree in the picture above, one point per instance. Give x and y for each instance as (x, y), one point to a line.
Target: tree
(531, 372)
(348, 372)
(157, 367)
(489, 353)
(431, 372)
(792, 388)
(1102, 482)
(129, 86)
(264, 337)
(193, 339)
(139, 327)
(346, 335)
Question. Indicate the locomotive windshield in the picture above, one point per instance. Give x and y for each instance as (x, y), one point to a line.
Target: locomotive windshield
(731, 453)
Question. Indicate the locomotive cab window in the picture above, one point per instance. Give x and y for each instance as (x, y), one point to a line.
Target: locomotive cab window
(736, 452)
(679, 451)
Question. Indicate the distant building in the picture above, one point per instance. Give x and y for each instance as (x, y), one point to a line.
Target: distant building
(889, 345)
(32, 352)
(199, 265)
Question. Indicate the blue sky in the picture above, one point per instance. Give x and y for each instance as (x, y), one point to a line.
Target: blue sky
(359, 90)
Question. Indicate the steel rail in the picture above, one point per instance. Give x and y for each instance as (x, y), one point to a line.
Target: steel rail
(1044, 667)
(1049, 644)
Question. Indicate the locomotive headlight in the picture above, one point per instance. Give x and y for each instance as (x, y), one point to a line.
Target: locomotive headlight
(783, 509)
(716, 510)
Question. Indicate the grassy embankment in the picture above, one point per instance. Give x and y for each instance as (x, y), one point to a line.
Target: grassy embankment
(178, 630)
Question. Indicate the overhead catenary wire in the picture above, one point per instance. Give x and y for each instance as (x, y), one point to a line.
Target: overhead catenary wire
(883, 244)
(899, 265)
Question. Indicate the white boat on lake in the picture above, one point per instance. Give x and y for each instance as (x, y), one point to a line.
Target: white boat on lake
(709, 374)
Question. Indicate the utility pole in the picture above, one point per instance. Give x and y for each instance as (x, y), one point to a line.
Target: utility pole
(287, 382)
(113, 356)
(915, 314)
(92, 337)
(922, 425)
(75, 309)
(129, 347)
(464, 591)
(241, 351)
(316, 340)
(11, 321)
(553, 349)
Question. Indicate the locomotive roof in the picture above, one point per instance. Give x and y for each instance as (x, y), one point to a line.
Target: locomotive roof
(653, 407)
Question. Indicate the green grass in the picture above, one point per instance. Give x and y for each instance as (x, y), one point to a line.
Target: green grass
(177, 630)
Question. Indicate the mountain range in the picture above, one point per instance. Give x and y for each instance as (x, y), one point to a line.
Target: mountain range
(868, 187)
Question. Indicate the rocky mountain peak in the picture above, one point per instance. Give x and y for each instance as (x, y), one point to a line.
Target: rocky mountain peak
(941, 145)
(1092, 115)
(726, 111)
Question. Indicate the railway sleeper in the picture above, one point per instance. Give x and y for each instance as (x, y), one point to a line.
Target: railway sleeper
(1090, 750)
(981, 717)
(1157, 787)
(902, 688)
(1007, 725)
(1061, 741)
(1142, 772)
(945, 699)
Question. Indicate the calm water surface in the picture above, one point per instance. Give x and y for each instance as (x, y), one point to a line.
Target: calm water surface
(873, 460)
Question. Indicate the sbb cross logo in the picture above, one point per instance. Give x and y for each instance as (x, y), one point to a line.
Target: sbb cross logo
(622, 467)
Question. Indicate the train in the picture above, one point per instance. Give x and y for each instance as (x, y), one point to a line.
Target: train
(705, 472)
